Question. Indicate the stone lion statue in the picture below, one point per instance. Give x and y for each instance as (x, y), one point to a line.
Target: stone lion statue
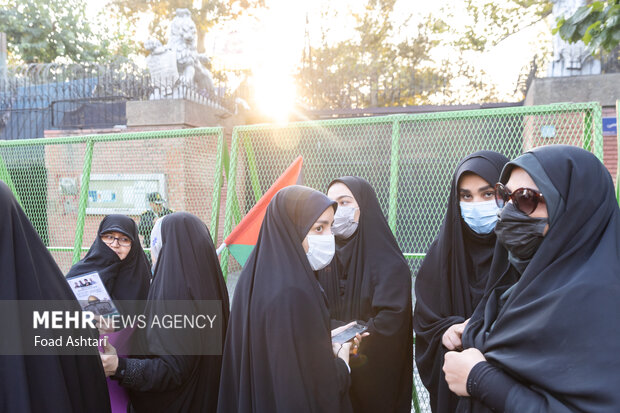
(190, 63)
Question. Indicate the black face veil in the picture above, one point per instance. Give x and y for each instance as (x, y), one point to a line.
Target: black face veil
(557, 331)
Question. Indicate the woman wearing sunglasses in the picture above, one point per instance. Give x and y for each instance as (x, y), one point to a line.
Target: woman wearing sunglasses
(549, 341)
(451, 280)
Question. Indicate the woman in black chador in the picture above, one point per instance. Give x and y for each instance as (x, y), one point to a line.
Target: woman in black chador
(42, 383)
(548, 342)
(177, 376)
(118, 257)
(369, 280)
(278, 355)
(451, 280)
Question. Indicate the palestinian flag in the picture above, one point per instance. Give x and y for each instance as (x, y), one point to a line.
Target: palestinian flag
(241, 240)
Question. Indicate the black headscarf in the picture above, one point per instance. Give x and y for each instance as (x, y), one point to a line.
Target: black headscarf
(187, 269)
(377, 290)
(278, 355)
(126, 279)
(557, 331)
(451, 280)
(43, 383)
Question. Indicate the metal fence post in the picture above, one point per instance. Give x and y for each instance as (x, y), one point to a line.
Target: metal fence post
(593, 130)
(226, 162)
(587, 130)
(597, 124)
(79, 230)
(394, 161)
(230, 199)
(217, 187)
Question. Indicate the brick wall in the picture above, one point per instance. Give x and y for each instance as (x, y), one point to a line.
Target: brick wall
(188, 165)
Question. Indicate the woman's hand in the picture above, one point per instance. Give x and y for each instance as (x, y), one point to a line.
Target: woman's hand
(342, 328)
(457, 366)
(109, 359)
(104, 326)
(353, 345)
(342, 351)
(357, 341)
(451, 339)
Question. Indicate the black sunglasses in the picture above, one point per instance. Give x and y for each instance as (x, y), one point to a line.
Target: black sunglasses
(525, 200)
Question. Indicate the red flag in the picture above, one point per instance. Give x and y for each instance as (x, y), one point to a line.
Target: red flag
(242, 239)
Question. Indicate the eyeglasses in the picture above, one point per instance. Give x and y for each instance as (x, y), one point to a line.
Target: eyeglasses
(525, 200)
(122, 241)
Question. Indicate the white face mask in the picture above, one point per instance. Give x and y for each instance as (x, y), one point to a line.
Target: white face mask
(344, 225)
(321, 250)
(480, 216)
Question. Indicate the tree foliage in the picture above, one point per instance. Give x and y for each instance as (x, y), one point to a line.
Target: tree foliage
(205, 13)
(48, 30)
(597, 24)
(485, 23)
(379, 66)
(370, 70)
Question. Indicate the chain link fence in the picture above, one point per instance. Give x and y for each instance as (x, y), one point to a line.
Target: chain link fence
(67, 185)
(408, 159)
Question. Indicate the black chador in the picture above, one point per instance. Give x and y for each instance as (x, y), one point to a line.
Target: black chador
(451, 280)
(278, 355)
(369, 280)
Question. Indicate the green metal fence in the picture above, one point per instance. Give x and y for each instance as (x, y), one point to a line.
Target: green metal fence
(409, 160)
(67, 185)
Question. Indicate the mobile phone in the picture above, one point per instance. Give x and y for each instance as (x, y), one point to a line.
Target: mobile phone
(349, 333)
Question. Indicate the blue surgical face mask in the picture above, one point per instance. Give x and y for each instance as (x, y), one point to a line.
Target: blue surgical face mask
(481, 217)
(321, 250)
(344, 222)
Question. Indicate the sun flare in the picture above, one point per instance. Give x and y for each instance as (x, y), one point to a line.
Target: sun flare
(275, 92)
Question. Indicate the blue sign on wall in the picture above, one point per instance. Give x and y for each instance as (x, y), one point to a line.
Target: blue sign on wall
(610, 126)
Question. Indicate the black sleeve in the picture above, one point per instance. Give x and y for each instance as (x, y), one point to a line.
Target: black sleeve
(501, 393)
(391, 302)
(344, 377)
(120, 369)
(490, 385)
(155, 374)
